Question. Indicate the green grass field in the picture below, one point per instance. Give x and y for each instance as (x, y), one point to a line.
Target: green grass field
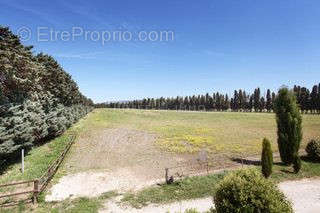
(190, 132)
(179, 132)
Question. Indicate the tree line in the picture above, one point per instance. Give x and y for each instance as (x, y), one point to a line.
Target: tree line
(241, 101)
(38, 99)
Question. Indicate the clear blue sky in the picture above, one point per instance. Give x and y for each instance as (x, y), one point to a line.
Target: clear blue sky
(218, 46)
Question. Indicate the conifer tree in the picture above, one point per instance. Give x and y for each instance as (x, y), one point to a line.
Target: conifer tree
(240, 99)
(304, 95)
(273, 100)
(289, 123)
(251, 103)
(266, 158)
(314, 98)
(38, 99)
(226, 103)
(236, 101)
(296, 164)
(318, 100)
(257, 99)
(269, 101)
(262, 104)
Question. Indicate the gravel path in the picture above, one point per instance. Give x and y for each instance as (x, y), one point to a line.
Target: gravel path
(201, 205)
(304, 194)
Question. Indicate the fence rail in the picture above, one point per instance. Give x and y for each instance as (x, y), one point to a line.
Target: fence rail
(40, 184)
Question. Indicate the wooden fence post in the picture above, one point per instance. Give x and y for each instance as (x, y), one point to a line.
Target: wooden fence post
(167, 175)
(35, 191)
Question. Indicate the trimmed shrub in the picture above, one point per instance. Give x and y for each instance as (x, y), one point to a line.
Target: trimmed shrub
(289, 123)
(313, 149)
(266, 158)
(248, 191)
(296, 164)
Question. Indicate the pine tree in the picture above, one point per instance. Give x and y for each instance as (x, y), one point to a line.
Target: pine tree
(289, 123)
(266, 158)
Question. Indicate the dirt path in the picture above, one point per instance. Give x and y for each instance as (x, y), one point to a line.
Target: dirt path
(93, 184)
(112, 159)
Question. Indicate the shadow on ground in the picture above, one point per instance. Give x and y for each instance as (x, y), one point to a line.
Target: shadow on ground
(251, 162)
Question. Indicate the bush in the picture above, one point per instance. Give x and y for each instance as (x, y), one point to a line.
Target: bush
(191, 211)
(289, 123)
(313, 149)
(248, 191)
(296, 164)
(266, 158)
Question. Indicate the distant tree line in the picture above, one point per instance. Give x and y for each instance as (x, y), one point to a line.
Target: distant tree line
(241, 101)
(38, 99)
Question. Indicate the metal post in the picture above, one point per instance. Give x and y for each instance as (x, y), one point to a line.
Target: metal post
(22, 161)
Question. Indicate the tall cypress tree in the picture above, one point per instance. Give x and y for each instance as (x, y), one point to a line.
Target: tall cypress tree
(273, 99)
(236, 100)
(318, 100)
(232, 104)
(257, 99)
(304, 95)
(266, 158)
(289, 123)
(269, 101)
(251, 103)
(227, 102)
(262, 104)
(240, 94)
(314, 98)
(218, 101)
